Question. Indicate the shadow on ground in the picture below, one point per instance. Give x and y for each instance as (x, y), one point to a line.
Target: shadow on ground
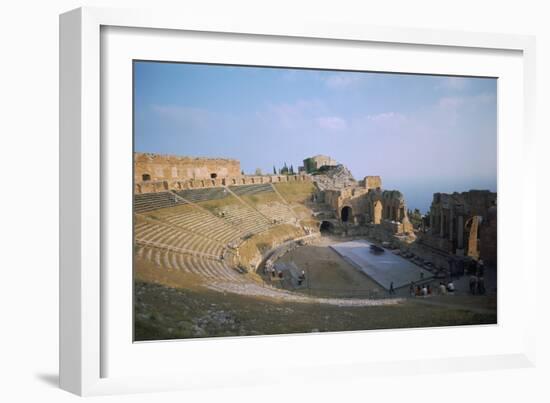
(49, 379)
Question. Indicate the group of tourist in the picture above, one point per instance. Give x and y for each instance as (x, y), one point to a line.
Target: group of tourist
(477, 285)
(426, 289)
(274, 273)
(444, 289)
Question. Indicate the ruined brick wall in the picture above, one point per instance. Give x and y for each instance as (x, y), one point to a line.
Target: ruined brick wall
(156, 167)
(385, 205)
(372, 182)
(164, 185)
(478, 202)
(371, 205)
(351, 197)
(488, 238)
(452, 217)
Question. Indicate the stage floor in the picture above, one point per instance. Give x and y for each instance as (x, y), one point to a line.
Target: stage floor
(381, 267)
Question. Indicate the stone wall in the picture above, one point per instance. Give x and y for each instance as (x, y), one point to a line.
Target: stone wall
(156, 167)
(338, 198)
(458, 220)
(386, 205)
(162, 186)
(372, 182)
(488, 238)
(371, 206)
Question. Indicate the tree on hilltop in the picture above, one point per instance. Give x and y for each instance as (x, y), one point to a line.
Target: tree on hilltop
(284, 171)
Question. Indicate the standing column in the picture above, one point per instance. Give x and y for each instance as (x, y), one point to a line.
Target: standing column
(441, 229)
(432, 222)
(451, 228)
(460, 232)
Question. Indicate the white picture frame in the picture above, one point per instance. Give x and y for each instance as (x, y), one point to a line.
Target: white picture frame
(86, 311)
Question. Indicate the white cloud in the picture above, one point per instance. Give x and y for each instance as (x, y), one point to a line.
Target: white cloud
(293, 115)
(450, 103)
(386, 117)
(343, 80)
(456, 102)
(384, 123)
(453, 107)
(332, 123)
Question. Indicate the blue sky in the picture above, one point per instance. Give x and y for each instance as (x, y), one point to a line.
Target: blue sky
(422, 134)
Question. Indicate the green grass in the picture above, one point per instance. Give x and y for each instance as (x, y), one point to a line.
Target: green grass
(260, 243)
(261, 198)
(215, 205)
(169, 211)
(295, 192)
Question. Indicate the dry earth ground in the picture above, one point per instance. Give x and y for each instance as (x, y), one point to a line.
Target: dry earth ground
(173, 305)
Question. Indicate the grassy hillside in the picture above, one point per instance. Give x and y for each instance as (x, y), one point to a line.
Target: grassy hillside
(251, 250)
(169, 312)
(295, 192)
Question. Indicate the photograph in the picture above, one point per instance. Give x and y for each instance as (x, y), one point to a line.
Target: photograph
(284, 200)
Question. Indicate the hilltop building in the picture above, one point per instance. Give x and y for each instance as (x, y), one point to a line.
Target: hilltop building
(313, 164)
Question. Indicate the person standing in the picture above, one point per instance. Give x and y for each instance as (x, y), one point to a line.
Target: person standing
(480, 286)
(473, 284)
(480, 268)
(450, 287)
(392, 290)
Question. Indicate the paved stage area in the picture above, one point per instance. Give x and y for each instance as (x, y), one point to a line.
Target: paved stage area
(381, 267)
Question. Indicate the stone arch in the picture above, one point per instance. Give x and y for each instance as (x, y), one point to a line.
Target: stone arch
(346, 214)
(377, 212)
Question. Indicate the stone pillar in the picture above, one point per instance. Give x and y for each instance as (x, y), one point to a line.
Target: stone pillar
(432, 222)
(441, 229)
(451, 229)
(460, 232)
